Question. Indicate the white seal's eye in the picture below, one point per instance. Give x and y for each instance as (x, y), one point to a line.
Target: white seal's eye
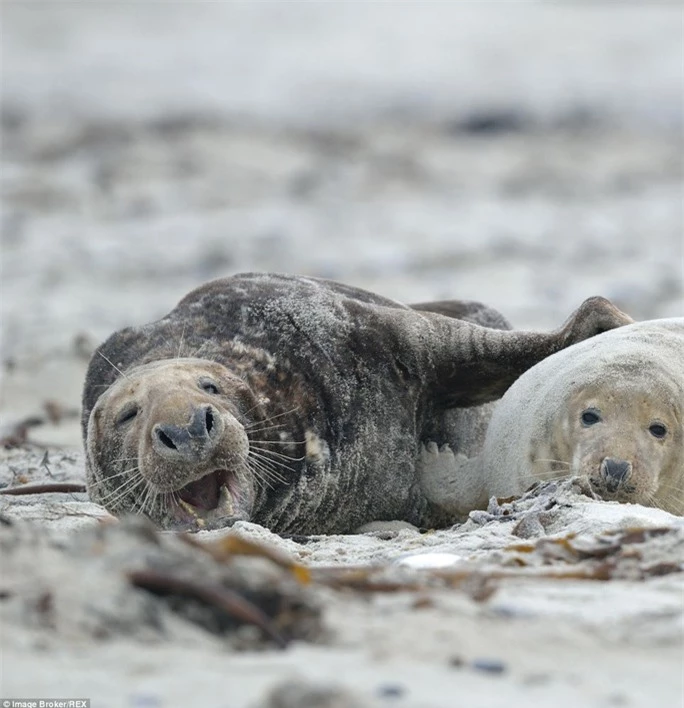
(209, 387)
(590, 417)
(127, 414)
(658, 430)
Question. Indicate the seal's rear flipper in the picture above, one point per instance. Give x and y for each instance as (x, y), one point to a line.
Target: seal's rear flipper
(469, 365)
(467, 310)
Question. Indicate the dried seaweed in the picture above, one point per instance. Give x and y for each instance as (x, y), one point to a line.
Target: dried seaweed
(45, 488)
(217, 597)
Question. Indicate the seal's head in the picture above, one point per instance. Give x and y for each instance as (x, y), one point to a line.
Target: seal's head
(625, 436)
(168, 439)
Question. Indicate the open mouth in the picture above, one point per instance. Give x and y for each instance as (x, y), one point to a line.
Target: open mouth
(214, 491)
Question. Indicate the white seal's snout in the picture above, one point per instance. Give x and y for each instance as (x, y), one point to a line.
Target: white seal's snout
(615, 472)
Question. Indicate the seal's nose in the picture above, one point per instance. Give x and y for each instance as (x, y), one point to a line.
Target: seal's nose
(190, 442)
(615, 472)
(202, 422)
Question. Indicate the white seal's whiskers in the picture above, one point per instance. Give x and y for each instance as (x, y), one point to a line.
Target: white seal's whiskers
(672, 503)
(673, 487)
(558, 462)
(662, 504)
(555, 476)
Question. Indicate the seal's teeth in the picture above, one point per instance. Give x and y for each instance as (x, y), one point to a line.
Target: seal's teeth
(225, 504)
(188, 507)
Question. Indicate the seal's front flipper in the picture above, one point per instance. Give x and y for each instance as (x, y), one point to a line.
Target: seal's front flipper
(450, 481)
(386, 529)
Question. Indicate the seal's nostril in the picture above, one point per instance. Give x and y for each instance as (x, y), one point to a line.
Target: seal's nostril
(616, 471)
(166, 440)
(201, 423)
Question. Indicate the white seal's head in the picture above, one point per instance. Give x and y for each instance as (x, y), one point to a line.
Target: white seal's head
(610, 409)
(622, 431)
(168, 439)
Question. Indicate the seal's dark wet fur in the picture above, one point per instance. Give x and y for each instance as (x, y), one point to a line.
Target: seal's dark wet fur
(351, 382)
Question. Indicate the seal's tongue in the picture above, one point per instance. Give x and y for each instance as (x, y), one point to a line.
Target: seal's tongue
(205, 492)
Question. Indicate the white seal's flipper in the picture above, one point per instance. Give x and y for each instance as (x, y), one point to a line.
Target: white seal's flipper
(450, 481)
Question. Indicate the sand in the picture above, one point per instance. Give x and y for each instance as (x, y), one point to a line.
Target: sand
(490, 641)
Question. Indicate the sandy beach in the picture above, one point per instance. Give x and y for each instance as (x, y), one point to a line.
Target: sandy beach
(528, 157)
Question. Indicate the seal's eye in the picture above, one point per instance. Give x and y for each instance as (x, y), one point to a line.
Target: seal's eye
(590, 417)
(209, 387)
(127, 414)
(658, 430)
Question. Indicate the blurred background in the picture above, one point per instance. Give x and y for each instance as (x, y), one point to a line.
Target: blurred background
(521, 154)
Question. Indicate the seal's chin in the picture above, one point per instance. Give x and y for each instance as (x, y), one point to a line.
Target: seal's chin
(210, 502)
(624, 495)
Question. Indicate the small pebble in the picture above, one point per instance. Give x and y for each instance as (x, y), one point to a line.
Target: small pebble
(429, 560)
(391, 690)
(489, 666)
(536, 679)
(145, 701)
(422, 602)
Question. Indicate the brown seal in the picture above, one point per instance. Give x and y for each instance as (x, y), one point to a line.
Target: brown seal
(297, 403)
(610, 410)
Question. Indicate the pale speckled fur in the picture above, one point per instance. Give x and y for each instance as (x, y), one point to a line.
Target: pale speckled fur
(634, 375)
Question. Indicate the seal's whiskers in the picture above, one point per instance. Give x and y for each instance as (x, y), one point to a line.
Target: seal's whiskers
(558, 462)
(672, 503)
(139, 507)
(279, 442)
(555, 476)
(180, 343)
(262, 475)
(273, 453)
(114, 366)
(104, 481)
(271, 461)
(123, 489)
(266, 464)
(256, 426)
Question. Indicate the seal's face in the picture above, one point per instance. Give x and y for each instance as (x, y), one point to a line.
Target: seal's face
(627, 440)
(168, 439)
